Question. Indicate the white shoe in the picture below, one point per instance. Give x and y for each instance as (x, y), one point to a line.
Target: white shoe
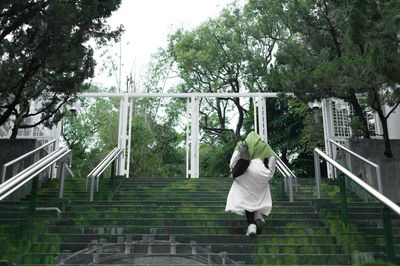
(251, 230)
(259, 219)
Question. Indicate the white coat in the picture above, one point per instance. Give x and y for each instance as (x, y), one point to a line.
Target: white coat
(250, 191)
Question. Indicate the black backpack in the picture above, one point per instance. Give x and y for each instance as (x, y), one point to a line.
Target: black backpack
(242, 161)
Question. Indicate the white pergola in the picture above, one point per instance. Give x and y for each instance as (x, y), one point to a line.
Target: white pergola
(192, 127)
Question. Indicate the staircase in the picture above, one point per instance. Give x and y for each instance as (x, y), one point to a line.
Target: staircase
(173, 221)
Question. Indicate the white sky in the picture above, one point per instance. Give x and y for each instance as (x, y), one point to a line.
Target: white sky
(147, 24)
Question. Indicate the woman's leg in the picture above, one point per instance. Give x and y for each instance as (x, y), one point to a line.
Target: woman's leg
(252, 229)
(250, 217)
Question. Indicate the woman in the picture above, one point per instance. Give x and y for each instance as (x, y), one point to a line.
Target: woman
(250, 194)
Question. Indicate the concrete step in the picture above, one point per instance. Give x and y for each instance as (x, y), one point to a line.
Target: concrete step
(185, 214)
(161, 258)
(165, 246)
(186, 238)
(182, 222)
(268, 229)
(276, 208)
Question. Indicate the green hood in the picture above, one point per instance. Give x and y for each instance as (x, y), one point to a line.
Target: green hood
(262, 149)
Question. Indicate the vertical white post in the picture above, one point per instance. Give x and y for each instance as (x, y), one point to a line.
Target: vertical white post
(129, 137)
(327, 121)
(194, 158)
(53, 172)
(187, 136)
(255, 114)
(122, 136)
(120, 165)
(262, 119)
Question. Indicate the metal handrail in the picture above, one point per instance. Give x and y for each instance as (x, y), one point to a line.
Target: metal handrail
(287, 173)
(4, 169)
(100, 168)
(22, 178)
(376, 194)
(97, 166)
(388, 204)
(377, 167)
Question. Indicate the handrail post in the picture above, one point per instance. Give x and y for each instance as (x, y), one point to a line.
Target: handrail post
(290, 189)
(91, 188)
(33, 202)
(334, 174)
(112, 173)
(379, 178)
(343, 199)
(3, 174)
(62, 176)
(387, 227)
(317, 174)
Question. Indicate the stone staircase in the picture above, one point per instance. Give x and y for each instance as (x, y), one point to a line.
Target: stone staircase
(172, 221)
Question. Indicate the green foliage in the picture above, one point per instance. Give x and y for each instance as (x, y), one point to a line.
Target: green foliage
(214, 159)
(45, 56)
(155, 150)
(337, 49)
(93, 134)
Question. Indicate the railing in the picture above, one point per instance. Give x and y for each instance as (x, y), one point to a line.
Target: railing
(388, 204)
(288, 176)
(365, 169)
(100, 168)
(4, 169)
(17, 181)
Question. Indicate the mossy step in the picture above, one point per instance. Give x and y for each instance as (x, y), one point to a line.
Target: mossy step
(188, 203)
(144, 208)
(189, 184)
(267, 229)
(186, 238)
(369, 247)
(13, 221)
(182, 222)
(361, 215)
(378, 231)
(373, 222)
(24, 203)
(24, 215)
(261, 258)
(141, 246)
(187, 214)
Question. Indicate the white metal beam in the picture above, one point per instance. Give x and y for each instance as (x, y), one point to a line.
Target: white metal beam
(192, 167)
(181, 95)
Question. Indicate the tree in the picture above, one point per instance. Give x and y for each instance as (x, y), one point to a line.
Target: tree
(93, 133)
(321, 55)
(215, 57)
(374, 27)
(45, 56)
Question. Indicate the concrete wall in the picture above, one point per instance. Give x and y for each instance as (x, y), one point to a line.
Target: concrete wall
(373, 149)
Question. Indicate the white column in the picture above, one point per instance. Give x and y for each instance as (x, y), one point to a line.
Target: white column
(122, 136)
(188, 137)
(194, 156)
(262, 119)
(129, 137)
(57, 136)
(327, 120)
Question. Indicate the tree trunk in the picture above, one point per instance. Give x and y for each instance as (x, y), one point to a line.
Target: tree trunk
(359, 112)
(388, 149)
(240, 120)
(15, 130)
(8, 112)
